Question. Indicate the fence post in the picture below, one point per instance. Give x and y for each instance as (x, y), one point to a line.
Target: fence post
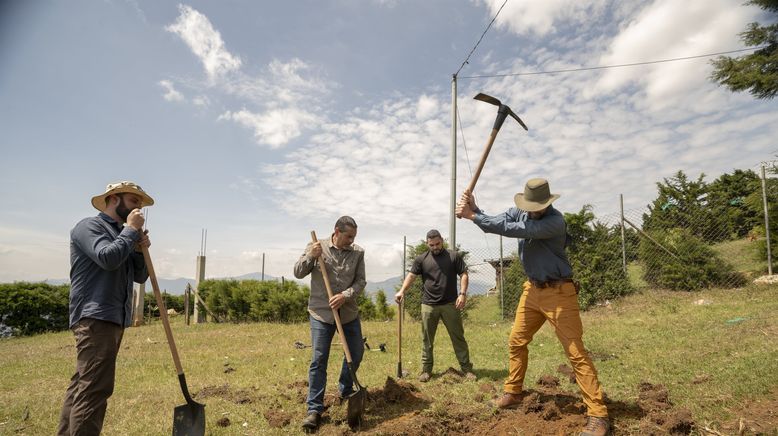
(623, 238)
(199, 317)
(137, 311)
(187, 292)
(766, 223)
(502, 286)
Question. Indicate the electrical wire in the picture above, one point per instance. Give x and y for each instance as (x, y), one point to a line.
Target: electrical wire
(602, 67)
(479, 39)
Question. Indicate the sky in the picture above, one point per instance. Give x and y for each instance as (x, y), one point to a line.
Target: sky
(262, 121)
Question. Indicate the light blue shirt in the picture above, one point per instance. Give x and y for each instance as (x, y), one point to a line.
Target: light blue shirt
(103, 265)
(542, 242)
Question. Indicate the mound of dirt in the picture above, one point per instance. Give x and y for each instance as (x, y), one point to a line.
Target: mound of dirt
(548, 381)
(277, 418)
(661, 417)
(393, 392)
(223, 422)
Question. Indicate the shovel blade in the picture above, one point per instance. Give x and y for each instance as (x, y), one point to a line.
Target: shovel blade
(189, 420)
(356, 407)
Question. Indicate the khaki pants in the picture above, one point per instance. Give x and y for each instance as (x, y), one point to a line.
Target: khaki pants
(559, 305)
(452, 319)
(97, 344)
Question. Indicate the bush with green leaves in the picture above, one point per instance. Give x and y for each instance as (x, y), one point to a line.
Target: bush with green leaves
(694, 265)
(30, 308)
(175, 302)
(596, 257)
(255, 300)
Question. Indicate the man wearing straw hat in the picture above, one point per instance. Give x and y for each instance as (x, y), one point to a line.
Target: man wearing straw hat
(550, 294)
(105, 260)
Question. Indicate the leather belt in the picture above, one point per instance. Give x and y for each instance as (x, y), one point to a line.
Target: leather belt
(550, 283)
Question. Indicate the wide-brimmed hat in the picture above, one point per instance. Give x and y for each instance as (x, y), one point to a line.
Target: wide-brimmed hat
(537, 196)
(98, 201)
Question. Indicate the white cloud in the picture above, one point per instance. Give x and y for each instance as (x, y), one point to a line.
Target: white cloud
(201, 100)
(171, 94)
(274, 127)
(540, 16)
(205, 42)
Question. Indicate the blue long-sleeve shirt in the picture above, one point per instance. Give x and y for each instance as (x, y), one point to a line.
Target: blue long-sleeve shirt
(103, 267)
(542, 242)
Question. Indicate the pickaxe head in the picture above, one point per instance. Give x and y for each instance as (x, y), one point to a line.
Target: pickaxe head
(502, 113)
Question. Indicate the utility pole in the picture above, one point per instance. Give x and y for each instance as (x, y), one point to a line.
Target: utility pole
(452, 223)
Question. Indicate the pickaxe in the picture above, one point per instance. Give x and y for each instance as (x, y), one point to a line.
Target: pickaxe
(502, 113)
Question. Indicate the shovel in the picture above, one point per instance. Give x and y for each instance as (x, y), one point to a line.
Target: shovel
(188, 419)
(357, 400)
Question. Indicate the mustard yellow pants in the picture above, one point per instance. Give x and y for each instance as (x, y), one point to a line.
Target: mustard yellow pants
(559, 305)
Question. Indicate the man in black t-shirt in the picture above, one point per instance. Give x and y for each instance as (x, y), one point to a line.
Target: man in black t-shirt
(439, 268)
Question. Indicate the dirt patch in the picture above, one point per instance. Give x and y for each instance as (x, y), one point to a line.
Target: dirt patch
(225, 392)
(596, 355)
(754, 417)
(223, 422)
(661, 417)
(277, 418)
(548, 381)
(566, 371)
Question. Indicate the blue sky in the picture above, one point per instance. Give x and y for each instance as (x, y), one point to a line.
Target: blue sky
(261, 121)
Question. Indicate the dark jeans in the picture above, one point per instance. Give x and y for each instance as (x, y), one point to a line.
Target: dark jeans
(97, 344)
(321, 339)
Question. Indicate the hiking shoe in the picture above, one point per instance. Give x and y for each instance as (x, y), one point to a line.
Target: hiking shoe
(425, 377)
(311, 422)
(508, 401)
(470, 375)
(595, 426)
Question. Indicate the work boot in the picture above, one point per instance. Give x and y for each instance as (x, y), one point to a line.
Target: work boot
(311, 422)
(425, 377)
(595, 426)
(508, 401)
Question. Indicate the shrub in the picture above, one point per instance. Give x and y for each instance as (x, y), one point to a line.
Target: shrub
(30, 308)
(698, 266)
(254, 300)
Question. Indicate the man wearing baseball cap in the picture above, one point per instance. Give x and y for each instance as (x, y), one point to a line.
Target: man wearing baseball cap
(550, 294)
(105, 260)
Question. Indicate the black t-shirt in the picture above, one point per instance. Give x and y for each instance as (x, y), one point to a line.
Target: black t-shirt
(439, 274)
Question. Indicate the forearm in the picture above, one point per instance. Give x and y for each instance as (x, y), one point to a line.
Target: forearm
(464, 282)
(407, 282)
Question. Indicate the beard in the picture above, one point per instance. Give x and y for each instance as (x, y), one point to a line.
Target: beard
(122, 210)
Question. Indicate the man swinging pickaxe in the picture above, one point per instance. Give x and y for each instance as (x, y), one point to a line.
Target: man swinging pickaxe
(502, 113)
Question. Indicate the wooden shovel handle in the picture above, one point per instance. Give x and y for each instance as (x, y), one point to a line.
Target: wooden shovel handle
(335, 313)
(162, 310)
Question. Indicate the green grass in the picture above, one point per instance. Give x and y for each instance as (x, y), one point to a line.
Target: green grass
(742, 255)
(659, 337)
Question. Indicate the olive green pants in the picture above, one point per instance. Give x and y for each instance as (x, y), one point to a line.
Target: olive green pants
(559, 306)
(452, 319)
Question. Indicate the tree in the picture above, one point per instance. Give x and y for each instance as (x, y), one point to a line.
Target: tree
(756, 72)
(727, 200)
(684, 203)
(383, 311)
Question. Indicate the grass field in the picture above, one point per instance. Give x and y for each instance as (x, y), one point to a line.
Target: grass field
(713, 359)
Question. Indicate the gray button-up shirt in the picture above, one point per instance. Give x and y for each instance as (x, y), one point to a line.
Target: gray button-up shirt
(103, 266)
(346, 271)
(542, 247)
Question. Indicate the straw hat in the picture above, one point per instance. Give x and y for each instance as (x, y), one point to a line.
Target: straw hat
(99, 202)
(537, 196)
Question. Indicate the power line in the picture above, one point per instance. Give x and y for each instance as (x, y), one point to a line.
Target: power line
(572, 70)
(479, 39)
